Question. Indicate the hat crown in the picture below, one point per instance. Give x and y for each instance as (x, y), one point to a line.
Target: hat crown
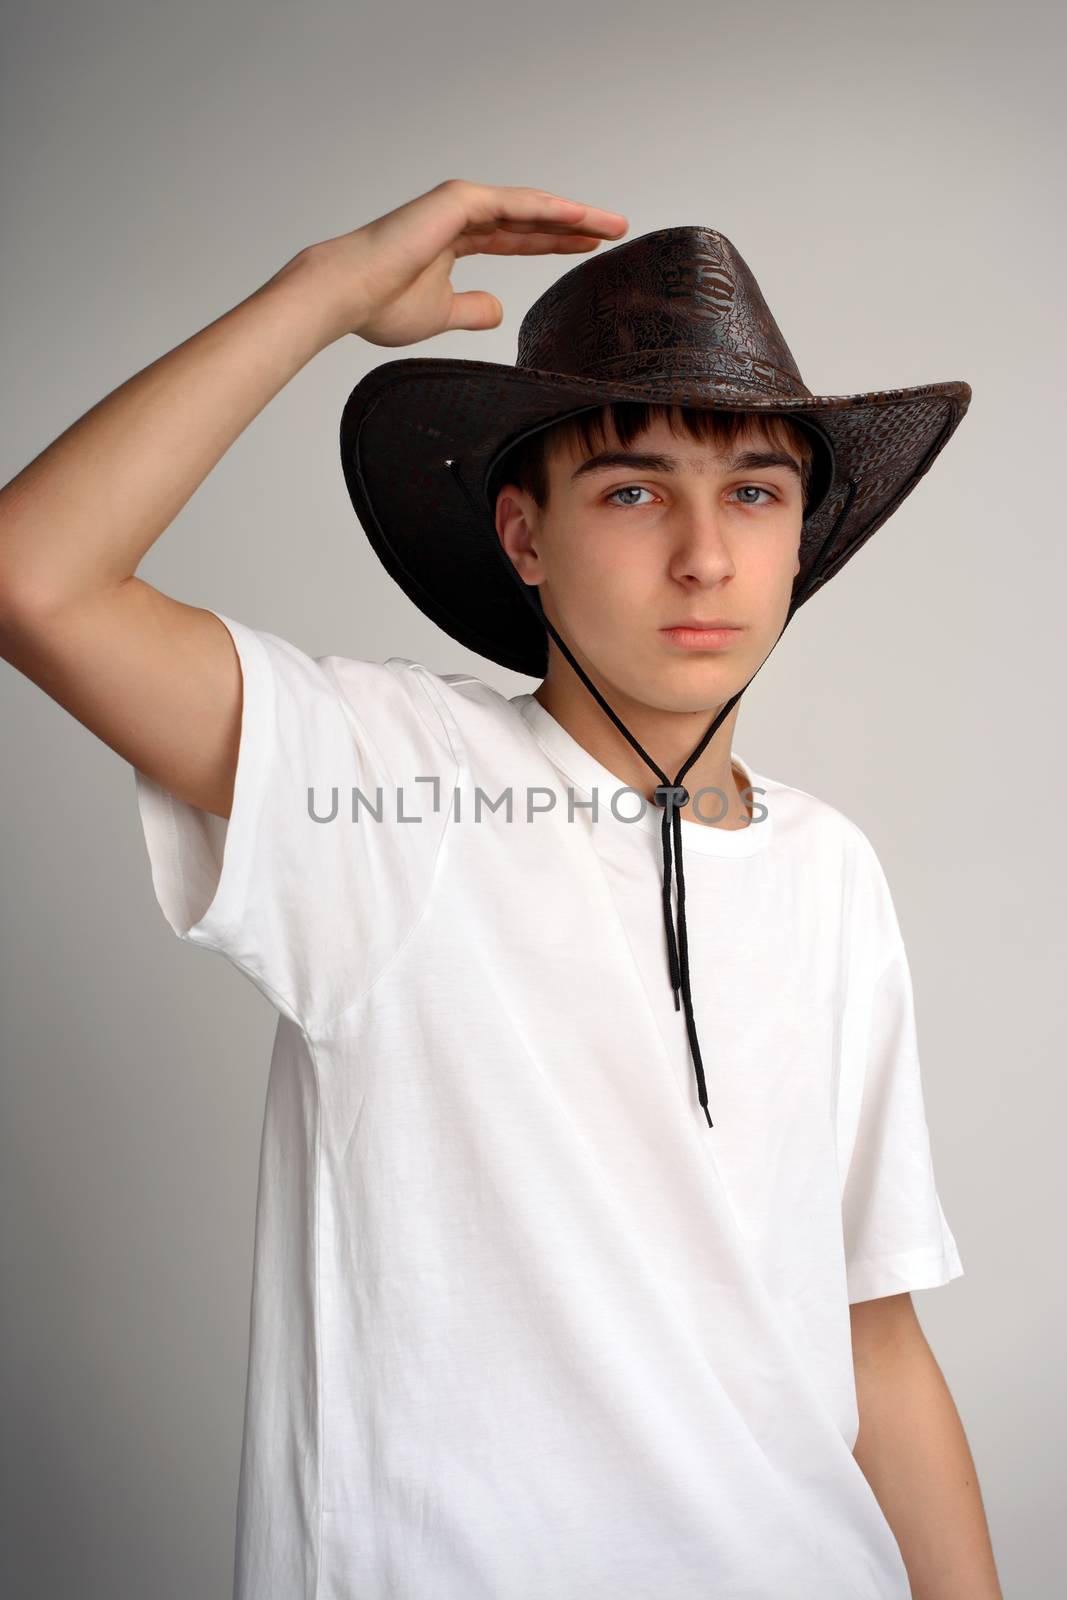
(676, 303)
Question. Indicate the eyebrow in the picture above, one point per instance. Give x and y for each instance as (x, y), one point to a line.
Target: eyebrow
(642, 461)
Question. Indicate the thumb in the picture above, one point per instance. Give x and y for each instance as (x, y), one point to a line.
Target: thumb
(475, 308)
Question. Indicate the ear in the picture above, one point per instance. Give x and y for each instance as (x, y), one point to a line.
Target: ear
(515, 519)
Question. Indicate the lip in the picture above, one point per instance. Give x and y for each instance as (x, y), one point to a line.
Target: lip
(703, 635)
(704, 622)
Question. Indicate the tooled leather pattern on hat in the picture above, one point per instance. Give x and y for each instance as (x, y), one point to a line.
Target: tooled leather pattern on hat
(671, 306)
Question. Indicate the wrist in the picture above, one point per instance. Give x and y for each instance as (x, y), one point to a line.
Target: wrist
(329, 274)
(309, 289)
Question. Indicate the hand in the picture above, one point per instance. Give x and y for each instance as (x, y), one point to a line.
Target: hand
(389, 280)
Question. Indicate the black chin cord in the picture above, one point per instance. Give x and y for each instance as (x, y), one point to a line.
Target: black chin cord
(671, 796)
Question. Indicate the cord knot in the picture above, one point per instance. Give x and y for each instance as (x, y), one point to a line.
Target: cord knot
(673, 793)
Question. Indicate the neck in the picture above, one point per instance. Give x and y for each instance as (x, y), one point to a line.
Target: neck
(668, 736)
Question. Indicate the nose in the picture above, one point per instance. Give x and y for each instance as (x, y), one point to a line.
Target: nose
(700, 547)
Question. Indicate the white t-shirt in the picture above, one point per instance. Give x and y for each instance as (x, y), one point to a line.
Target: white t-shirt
(523, 1325)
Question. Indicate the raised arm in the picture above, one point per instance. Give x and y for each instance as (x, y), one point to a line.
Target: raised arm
(157, 680)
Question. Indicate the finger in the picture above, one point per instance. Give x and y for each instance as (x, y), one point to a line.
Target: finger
(474, 308)
(507, 239)
(540, 226)
(503, 242)
(529, 244)
(539, 210)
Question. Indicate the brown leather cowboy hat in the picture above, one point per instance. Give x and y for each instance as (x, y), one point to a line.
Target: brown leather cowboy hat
(670, 316)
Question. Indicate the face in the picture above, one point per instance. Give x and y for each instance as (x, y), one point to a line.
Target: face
(626, 549)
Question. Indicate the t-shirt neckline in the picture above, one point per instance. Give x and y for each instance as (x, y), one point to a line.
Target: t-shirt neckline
(587, 774)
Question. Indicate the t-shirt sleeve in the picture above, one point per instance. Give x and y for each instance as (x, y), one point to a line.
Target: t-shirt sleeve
(340, 809)
(896, 1235)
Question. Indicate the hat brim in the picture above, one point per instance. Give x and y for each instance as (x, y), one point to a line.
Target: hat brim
(406, 418)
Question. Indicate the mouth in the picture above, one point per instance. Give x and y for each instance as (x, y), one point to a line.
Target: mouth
(703, 636)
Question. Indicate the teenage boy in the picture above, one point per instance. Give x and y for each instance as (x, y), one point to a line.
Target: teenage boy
(528, 1319)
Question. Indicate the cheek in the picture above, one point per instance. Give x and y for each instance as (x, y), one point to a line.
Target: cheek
(771, 561)
(599, 573)
(622, 584)
(601, 593)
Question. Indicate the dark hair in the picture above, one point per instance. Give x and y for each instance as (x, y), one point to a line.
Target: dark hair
(527, 464)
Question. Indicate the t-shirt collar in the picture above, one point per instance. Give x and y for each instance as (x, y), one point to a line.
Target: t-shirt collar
(626, 813)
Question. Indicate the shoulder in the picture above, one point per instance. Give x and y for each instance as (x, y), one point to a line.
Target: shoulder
(396, 713)
(833, 855)
(809, 825)
(473, 712)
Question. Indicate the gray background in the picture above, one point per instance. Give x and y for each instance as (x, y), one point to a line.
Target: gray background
(892, 176)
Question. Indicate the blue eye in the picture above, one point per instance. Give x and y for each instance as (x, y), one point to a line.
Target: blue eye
(754, 488)
(628, 488)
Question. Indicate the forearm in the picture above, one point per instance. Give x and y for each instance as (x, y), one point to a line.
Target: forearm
(914, 1453)
(83, 513)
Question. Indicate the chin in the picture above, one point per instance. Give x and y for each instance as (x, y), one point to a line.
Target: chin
(688, 682)
(691, 690)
